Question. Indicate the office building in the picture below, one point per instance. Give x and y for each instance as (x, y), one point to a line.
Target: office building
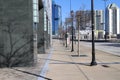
(45, 27)
(112, 20)
(99, 24)
(85, 23)
(56, 18)
(18, 32)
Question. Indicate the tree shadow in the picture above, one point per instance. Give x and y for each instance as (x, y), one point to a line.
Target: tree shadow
(81, 63)
(65, 62)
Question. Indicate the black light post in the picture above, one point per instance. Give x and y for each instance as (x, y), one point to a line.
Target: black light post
(93, 43)
(66, 34)
(54, 18)
(72, 15)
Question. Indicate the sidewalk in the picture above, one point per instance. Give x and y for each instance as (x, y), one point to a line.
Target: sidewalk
(65, 65)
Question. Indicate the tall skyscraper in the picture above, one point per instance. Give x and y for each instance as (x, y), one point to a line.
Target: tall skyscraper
(113, 20)
(85, 22)
(56, 17)
(99, 24)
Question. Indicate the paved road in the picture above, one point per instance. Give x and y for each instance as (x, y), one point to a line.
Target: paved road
(113, 48)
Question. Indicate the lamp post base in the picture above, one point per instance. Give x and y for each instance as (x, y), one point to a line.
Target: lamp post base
(72, 50)
(93, 63)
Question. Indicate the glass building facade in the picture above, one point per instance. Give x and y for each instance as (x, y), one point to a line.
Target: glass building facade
(56, 18)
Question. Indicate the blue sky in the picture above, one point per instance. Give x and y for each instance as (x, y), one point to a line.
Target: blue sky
(82, 4)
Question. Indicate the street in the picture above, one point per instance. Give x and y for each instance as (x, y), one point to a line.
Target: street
(112, 48)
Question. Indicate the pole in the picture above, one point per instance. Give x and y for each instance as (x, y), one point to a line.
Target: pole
(54, 18)
(71, 12)
(78, 38)
(72, 31)
(66, 34)
(93, 43)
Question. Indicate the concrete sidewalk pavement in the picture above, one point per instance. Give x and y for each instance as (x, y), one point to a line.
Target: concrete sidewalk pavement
(66, 65)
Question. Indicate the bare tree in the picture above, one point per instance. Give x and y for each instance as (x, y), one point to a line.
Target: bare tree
(84, 18)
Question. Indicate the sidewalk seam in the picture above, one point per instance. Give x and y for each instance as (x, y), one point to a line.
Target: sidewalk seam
(45, 67)
(80, 69)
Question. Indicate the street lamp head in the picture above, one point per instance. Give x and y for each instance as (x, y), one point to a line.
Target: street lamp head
(72, 13)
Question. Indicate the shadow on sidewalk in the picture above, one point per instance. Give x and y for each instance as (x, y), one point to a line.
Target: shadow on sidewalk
(85, 64)
(26, 72)
(65, 62)
(83, 55)
(109, 63)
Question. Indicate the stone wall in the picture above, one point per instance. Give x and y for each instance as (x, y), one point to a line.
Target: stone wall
(16, 33)
(40, 31)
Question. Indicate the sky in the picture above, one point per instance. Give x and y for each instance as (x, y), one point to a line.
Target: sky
(82, 4)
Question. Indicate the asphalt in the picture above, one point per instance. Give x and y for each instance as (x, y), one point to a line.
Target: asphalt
(62, 64)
